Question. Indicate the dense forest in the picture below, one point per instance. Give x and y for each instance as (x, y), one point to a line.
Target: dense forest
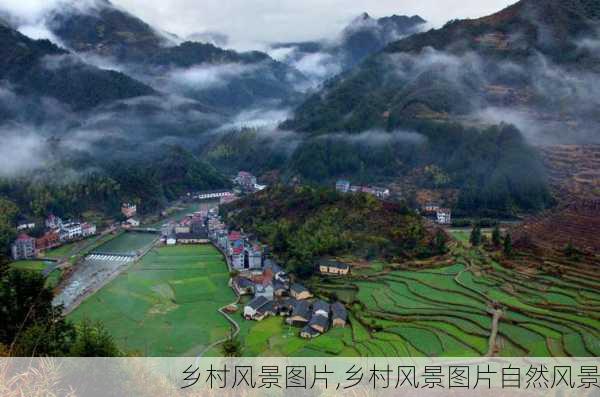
(151, 183)
(497, 173)
(301, 224)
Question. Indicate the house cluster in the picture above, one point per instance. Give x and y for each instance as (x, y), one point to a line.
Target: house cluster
(443, 216)
(247, 182)
(274, 296)
(192, 229)
(129, 211)
(243, 252)
(57, 233)
(344, 186)
(272, 292)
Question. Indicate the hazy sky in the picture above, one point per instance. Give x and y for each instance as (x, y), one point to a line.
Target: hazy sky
(252, 21)
(248, 22)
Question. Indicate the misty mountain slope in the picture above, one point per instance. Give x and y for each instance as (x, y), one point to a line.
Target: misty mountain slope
(534, 64)
(105, 30)
(39, 68)
(364, 36)
(221, 78)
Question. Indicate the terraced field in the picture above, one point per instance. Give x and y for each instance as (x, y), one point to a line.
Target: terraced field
(166, 304)
(448, 311)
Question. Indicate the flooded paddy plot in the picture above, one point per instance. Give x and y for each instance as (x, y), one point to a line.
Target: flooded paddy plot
(101, 266)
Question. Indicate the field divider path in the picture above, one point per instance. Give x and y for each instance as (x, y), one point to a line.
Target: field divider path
(221, 310)
(496, 313)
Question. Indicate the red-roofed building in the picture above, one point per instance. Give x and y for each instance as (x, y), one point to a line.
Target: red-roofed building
(49, 240)
(23, 247)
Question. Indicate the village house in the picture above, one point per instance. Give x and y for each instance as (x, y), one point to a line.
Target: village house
(286, 306)
(50, 239)
(251, 310)
(253, 256)
(237, 258)
(299, 292)
(245, 180)
(129, 210)
(339, 315)
(444, 216)
(300, 313)
(88, 229)
(23, 247)
(308, 332)
(280, 289)
(381, 193)
(25, 224)
(319, 323)
(332, 267)
(264, 290)
(320, 308)
(70, 231)
(132, 223)
(191, 238)
(53, 222)
(242, 286)
(342, 186)
(430, 207)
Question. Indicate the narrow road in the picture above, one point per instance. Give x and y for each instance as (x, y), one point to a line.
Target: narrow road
(232, 321)
(492, 341)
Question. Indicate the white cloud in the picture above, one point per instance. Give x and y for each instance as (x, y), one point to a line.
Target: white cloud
(248, 23)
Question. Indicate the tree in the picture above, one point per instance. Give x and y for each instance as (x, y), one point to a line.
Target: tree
(232, 347)
(475, 238)
(496, 236)
(30, 324)
(8, 213)
(439, 243)
(93, 340)
(508, 246)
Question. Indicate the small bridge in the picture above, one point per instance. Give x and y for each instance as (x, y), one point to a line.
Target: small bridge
(144, 230)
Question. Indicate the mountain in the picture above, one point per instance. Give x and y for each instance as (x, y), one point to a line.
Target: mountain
(533, 64)
(364, 36)
(221, 78)
(41, 69)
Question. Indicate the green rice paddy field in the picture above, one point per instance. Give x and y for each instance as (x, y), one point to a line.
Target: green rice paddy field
(447, 311)
(166, 304)
(127, 242)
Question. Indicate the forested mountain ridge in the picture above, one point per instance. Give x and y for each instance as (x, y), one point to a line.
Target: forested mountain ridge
(534, 60)
(235, 80)
(40, 68)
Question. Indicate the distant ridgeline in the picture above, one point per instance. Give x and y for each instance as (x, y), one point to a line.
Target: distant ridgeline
(301, 224)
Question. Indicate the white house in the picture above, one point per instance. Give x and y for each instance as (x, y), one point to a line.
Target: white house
(265, 291)
(133, 222)
(88, 229)
(70, 231)
(444, 216)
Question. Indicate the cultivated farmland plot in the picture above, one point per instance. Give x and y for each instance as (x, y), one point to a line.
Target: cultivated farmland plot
(166, 304)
